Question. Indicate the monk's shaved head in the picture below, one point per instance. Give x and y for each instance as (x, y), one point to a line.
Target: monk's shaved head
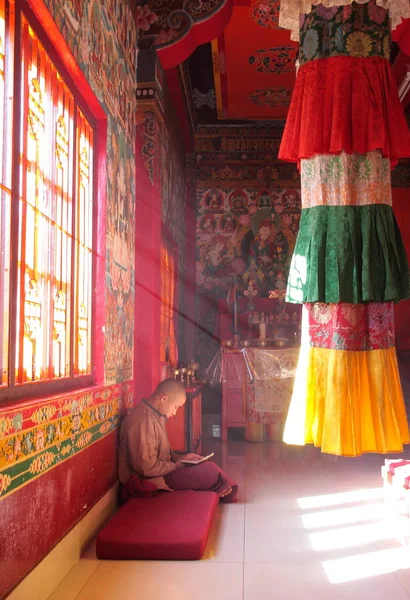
(168, 397)
(169, 387)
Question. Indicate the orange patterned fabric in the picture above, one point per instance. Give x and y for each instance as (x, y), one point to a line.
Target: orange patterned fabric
(169, 352)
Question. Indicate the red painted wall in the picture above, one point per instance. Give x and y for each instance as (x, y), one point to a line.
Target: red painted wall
(188, 318)
(147, 280)
(401, 207)
(36, 517)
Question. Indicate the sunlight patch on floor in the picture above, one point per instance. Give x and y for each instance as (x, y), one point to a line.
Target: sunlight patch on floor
(370, 564)
(357, 508)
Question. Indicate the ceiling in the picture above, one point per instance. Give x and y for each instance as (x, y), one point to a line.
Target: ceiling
(248, 73)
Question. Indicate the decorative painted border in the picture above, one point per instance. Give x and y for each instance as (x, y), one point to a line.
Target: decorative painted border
(164, 22)
(39, 436)
(147, 133)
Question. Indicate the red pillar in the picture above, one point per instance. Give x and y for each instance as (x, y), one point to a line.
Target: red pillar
(147, 257)
(188, 320)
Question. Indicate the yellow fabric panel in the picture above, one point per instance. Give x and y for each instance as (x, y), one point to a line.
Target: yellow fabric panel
(348, 403)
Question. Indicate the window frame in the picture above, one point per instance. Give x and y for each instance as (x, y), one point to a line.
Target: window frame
(42, 23)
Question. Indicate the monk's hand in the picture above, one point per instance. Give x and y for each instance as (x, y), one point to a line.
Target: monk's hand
(191, 456)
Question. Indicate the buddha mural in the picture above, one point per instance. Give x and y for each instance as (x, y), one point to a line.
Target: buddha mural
(268, 250)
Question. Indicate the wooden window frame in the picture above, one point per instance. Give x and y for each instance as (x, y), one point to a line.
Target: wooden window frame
(42, 23)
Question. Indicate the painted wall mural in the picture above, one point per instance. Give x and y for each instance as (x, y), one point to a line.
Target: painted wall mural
(248, 209)
(102, 37)
(237, 227)
(173, 176)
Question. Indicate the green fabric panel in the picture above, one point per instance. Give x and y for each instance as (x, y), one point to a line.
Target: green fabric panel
(348, 254)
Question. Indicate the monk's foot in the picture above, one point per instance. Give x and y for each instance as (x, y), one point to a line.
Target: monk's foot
(225, 492)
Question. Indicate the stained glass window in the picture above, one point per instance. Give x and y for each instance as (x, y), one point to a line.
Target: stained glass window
(46, 216)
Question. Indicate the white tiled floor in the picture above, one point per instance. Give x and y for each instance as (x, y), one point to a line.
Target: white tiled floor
(306, 526)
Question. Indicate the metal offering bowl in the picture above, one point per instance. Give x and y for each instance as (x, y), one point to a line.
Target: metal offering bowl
(262, 343)
(227, 343)
(281, 342)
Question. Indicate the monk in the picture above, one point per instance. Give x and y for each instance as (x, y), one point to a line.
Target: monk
(145, 454)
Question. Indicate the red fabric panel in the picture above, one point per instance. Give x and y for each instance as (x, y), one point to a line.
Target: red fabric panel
(345, 104)
(170, 526)
(401, 35)
(353, 327)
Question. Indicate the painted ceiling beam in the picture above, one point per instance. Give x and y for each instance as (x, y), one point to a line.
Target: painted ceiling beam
(177, 27)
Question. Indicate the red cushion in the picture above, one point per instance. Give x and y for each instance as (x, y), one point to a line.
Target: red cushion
(169, 526)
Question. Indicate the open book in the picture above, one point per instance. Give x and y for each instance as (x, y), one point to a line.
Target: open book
(197, 462)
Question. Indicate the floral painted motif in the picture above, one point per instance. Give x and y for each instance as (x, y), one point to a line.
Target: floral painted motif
(359, 44)
(43, 414)
(84, 440)
(145, 17)
(201, 99)
(266, 13)
(321, 313)
(174, 18)
(41, 463)
(45, 435)
(355, 327)
(326, 13)
(6, 425)
(310, 44)
(278, 60)
(5, 481)
(358, 30)
(376, 13)
(146, 130)
(51, 432)
(105, 428)
(293, 12)
(345, 180)
(271, 97)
